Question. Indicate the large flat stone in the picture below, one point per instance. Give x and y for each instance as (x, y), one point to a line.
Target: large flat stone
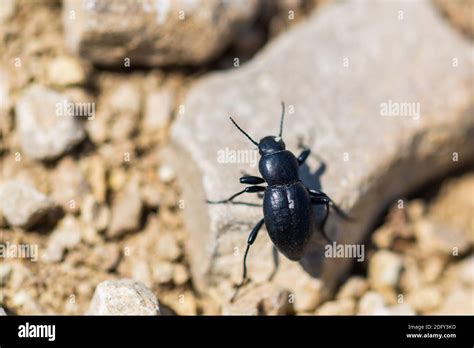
(153, 32)
(336, 72)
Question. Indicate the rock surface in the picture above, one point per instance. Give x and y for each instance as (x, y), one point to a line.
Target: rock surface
(163, 272)
(65, 71)
(340, 307)
(354, 288)
(126, 211)
(454, 206)
(334, 90)
(24, 300)
(22, 205)
(45, 133)
(5, 99)
(69, 185)
(154, 32)
(373, 303)
(457, 302)
(168, 248)
(118, 111)
(7, 10)
(425, 299)
(460, 12)
(384, 269)
(158, 110)
(438, 238)
(5, 272)
(260, 300)
(123, 297)
(66, 236)
(166, 174)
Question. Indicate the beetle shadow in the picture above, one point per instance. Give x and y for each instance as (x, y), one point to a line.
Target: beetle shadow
(313, 180)
(313, 259)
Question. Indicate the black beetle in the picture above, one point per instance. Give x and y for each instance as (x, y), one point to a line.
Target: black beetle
(287, 202)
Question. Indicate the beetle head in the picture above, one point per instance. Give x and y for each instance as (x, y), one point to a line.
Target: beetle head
(270, 145)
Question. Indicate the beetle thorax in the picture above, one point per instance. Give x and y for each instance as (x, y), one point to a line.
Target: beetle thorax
(279, 168)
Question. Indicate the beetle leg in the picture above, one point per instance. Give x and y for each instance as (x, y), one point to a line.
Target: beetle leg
(250, 189)
(315, 200)
(251, 180)
(276, 262)
(251, 239)
(303, 156)
(316, 193)
(313, 193)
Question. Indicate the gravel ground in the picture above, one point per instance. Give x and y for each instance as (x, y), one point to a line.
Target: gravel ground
(102, 204)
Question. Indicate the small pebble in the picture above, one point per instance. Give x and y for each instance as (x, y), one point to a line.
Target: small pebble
(266, 299)
(410, 278)
(383, 237)
(401, 309)
(94, 214)
(457, 301)
(163, 272)
(340, 307)
(123, 297)
(353, 288)
(384, 269)
(441, 239)
(68, 185)
(168, 248)
(22, 205)
(65, 71)
(425, 300)
(126, 211)
(110, 256)
(372, 303)
(7, 10)
(432, 268)
(465, 269)
(5, 272)
(181, 275)
(63, 238)
(141, 271)
(46, 127)
(96, 176)
(125, 97)
(158, 110)
(166, 174)
(23, 301)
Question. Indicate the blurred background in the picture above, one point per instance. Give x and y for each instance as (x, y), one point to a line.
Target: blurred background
(85, 202)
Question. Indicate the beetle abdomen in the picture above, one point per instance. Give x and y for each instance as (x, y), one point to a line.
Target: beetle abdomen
(288, 218)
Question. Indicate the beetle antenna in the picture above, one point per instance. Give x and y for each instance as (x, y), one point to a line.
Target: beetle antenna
(282, 118)
(240, 129)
